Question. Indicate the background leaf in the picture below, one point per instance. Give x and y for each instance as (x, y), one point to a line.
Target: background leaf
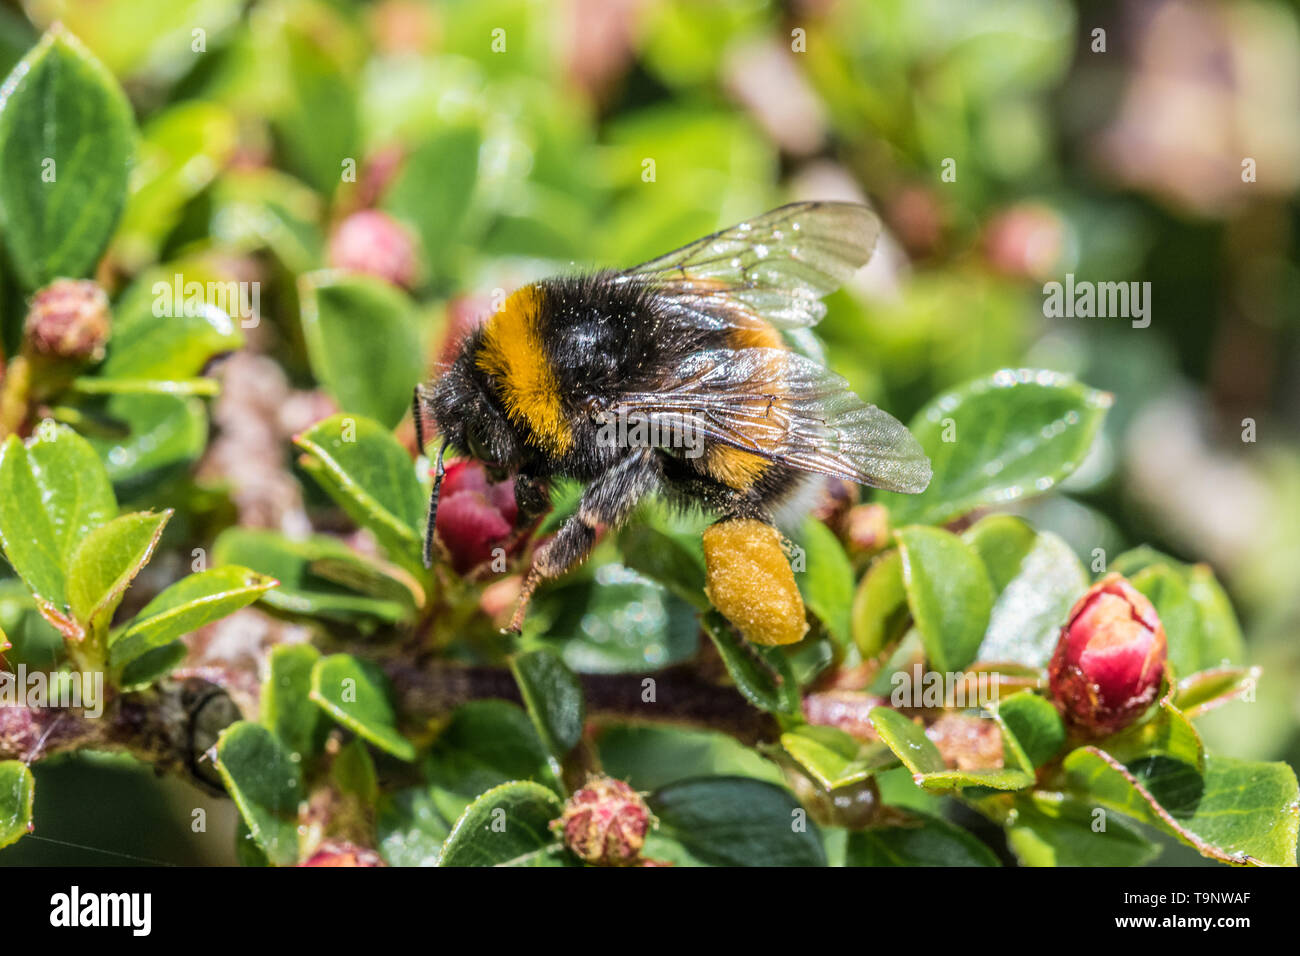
(266, 784)
(61, 105)
(1017, 432)
(363, 343)
(17, 791)
(507, 826)
(553, 697)
(357, 694)
(948, 592)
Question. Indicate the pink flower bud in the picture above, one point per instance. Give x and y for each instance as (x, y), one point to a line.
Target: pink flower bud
(475, 517)
(377, 244)
(1025, 241)
(605, 823)
(1109, 659)
(69, 319)
(342, 853)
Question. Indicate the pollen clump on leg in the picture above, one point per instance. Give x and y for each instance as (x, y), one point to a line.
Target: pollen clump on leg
(749, 580)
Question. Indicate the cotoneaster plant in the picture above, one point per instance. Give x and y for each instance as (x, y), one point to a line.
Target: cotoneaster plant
(962, 672)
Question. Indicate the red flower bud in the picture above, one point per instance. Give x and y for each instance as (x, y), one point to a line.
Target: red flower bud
(377, 244)
(69, 319)
(474, 517)
(342, 853)
(1109, 659)
(605, 823)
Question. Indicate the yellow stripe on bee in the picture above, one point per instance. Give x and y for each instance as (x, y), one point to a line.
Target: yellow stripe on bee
(735, 467)
(513, 354)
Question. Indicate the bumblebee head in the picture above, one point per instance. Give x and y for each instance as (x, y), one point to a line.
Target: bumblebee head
(470, 418)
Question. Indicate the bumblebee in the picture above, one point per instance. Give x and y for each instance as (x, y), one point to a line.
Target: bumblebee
(676, 376)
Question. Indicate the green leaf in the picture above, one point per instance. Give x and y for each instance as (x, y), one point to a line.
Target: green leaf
(648, 757)
(53, 492)
(1037, 579)
(371, 477)
(163, 436)
(948, 592)
(614, 621)
(410, 829)
(176, 345)
(107, 561)
(434, 191)
(265, 781)
(363, 343)
(357, 694)
(553, 697)
(1050, 830)
(312, 573)
(1206, 690)
(735, 821)
(287, 709)
(1166, 733)
(1034, 724)
(507, 826)
(181, 151)
(17, 791)
(320, 125)
(923, 841)
(151, 665)
(487, 743)
(666, 558)
(66, 141)
(1198, 618)
(1016, 433)
(880, 610)
(827, 580)
(834, 758)
(1235, 811)
(187, 605)
(919, 754)
(762, 674)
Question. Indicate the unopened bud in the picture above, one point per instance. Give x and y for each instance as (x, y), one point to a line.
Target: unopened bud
(377, 244)
(605, 823)
(69, 319)
(1109, 659)
(341, 853)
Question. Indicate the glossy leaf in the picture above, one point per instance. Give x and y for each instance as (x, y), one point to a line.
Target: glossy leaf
(434, 190)
(372, 478)
(1206, 690)
(67, 137)
(410, 829)
(163, 436)
(107, 561)
(1037, 579)
(735, 821)
(1048, 830)
(1034, 724)
(357, 694)
(185, 606)
(17, 791)
(880, 612)
(1017, 433)
(287, 709)
(922, 841)
(265, 781)
(507, 826)
(826, 581)
(834, 758)
(762, 674)
(919, 754)
(363, 344)
(1236, 811)
(312, 572)
(667, 559)
(648, 757)
(553, 697)
(948, 592)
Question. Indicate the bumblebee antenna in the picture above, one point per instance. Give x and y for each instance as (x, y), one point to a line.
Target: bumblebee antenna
(431, 519)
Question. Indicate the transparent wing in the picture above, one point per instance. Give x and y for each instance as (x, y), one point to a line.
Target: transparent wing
(776, 267)
(785, 407)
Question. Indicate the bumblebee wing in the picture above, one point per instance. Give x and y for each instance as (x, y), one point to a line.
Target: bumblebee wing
(787, 408)
(776, 267)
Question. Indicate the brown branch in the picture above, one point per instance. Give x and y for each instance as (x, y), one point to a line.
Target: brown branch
(679, 696)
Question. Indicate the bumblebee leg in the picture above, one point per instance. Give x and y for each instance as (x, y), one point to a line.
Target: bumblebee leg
(608, 500)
